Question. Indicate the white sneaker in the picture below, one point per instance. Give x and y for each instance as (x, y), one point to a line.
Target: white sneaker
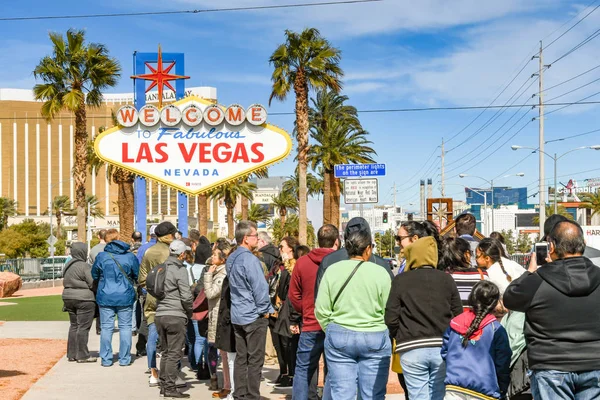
(153, 381)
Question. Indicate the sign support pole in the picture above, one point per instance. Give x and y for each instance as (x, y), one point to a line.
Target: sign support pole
(140, 185)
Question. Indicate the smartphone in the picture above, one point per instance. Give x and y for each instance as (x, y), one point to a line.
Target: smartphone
(541, 253)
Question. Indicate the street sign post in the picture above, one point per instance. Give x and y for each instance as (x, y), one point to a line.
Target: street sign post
(51, 240)
(358, 170)
(361, 191)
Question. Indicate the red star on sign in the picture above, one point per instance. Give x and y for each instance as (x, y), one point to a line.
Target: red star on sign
(160, 77)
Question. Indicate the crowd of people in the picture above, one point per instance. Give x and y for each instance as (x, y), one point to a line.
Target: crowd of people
(459, 320)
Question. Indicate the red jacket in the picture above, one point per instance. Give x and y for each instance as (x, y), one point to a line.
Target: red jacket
(302, 287)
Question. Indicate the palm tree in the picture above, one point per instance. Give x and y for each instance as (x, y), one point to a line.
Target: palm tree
(304, 61)
(342, 142)
(292, 228)
(124, 180)
(550, 210)
(284, 201)
(592, 201)
(74, 77)
(260, 174)
(8, 208)
(256, 213)
(203, 214)
(61, 205)
(95, 210)
(326, 107)
(229, 193)
(314, 185)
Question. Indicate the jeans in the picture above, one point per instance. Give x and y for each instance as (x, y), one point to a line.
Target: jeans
(357, 357)
(151, 345)
(81, 315)
(107, 321)
(171, 331)
(424, 372)
(310, 348)
(552, 384)
(196, 344)
(250, 341)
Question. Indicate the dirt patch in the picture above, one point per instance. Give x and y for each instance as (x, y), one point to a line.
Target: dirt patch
(3, 303)
(38, 292)
(24, 361)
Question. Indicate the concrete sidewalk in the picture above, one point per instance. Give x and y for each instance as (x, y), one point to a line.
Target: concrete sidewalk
(67, 380)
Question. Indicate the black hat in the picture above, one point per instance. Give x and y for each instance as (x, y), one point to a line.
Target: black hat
(165, 228)
(357, 224)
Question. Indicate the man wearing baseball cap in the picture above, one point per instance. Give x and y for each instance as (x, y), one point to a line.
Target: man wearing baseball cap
(172, 314)
(157, 254)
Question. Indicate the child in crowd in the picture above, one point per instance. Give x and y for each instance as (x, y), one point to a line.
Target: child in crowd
(476, 349)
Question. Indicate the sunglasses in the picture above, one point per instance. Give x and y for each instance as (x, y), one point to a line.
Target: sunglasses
(401, 238)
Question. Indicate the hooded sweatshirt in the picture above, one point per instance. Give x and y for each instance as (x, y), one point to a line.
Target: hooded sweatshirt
(302, 287)
(78, 281)
(483, 366)
(422, 300)
(271, 257)
(562, 324)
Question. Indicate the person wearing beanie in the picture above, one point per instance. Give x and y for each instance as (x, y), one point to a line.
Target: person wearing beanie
(157, 254)
(172, 315)
(422, 301)
(355, 224)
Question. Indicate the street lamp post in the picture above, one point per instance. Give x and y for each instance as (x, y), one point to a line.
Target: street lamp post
(555, 158)
(491, 182)
(50, 215)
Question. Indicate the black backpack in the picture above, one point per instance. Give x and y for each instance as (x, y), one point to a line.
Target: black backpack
(155, 281)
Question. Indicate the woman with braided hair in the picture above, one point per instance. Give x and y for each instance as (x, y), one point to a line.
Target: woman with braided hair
(476, 349)
(501, 271)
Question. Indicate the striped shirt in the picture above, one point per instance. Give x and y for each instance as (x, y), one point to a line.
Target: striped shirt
(465, 280)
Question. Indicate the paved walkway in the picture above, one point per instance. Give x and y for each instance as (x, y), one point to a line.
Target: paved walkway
(73, 381)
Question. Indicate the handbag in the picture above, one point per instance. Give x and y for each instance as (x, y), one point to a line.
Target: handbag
(200, 306)
(345, 284)
(396, 366)
(126, 276)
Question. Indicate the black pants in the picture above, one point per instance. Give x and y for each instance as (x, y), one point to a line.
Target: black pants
(292, 348)
(81, 316)
(280, 343)
(250, 343)
(403, 385)
(171, 331)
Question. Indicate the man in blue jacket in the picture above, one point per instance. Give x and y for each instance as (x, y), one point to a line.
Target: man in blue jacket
(250, 308)
(115, 269)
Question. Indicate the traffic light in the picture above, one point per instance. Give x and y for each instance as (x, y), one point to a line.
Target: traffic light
(385, 217)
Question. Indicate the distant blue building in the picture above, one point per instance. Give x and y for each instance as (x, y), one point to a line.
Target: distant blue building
(502, 196)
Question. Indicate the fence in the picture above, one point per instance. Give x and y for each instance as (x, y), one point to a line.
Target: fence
(521, 258)
(28, 268)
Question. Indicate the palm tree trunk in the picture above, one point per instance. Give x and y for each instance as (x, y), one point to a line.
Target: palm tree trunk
(301, 91)
(79, 169)
(245, 204)
(230, 222)
(203, 214)
(126, 207)
(58, 224)
(282, 215)
(326, 198)
(335, 199)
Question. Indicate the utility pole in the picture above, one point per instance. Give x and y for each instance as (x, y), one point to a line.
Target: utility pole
(443, 173)
(541, 144)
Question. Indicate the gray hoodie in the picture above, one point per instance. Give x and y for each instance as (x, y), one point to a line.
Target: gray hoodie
(77, 275)
(178, 300)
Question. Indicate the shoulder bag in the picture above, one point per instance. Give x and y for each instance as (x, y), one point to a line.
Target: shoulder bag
(125, 274)
(345, 284)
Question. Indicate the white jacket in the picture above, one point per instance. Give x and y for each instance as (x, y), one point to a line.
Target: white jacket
(498, 277)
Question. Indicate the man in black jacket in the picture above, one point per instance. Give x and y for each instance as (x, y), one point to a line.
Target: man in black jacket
(562, 325)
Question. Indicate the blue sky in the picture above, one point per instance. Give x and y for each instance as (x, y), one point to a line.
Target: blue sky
(396, 54)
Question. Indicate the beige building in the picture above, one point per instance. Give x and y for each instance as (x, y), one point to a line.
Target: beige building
(37, 157)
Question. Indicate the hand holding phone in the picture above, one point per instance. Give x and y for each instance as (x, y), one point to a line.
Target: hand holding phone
(541, 253)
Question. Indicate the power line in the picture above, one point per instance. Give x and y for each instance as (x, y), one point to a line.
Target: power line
(570, 79)
(574, 90)
(198, 11)
(568, 105)
(575, 24)
(578, 46)
(573, 136)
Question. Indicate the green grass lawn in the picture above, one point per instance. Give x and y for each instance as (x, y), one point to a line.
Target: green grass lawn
(44, 308)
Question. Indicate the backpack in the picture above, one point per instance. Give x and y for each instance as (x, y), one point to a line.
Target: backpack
(155, 281)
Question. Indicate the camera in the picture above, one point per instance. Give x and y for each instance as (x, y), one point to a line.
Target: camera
(541, 253)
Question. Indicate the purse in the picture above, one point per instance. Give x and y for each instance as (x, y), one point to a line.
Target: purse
(396, 366)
